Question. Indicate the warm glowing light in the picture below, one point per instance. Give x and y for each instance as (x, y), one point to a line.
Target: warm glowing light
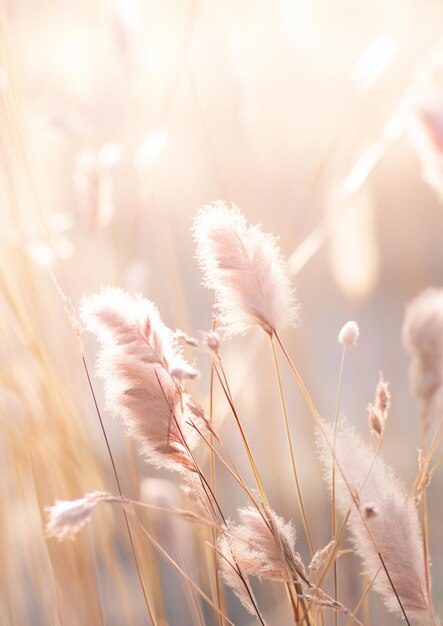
(362, 168)
(354, 250)
(39, 252)
(374, 61)
(3, 78)
(151, 148)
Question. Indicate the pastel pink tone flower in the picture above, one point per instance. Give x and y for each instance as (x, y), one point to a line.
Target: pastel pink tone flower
(349, 334)
(67, 517)
(244, 267)
(141, 365)
(388, 513)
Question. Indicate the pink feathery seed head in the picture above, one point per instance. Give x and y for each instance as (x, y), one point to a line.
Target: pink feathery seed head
(244, 267)
(349, 334)
(423, 322)
(263, 545)
(383, 396)
(228, 567)
(426, 119)
(140, 364)
(212, 341)
(427, 135)
(376, 421)
(389, 514)
(186, 339)
(423, 338)
(67, 517)
(133, 324)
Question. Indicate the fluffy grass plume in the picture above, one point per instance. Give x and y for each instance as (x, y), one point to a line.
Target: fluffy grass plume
(261, 545)
(243, 265)
(423, 338)
(67, 517)
(138, 361)
(390, 516)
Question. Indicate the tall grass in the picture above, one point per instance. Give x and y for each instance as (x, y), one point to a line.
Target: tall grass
(168, 453)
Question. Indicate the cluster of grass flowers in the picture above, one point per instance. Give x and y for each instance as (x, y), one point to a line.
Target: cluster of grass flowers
(145, 378)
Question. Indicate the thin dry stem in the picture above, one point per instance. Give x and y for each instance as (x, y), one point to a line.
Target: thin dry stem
(131, 541)
(244, 438)
(334, 508)
(291, 452)
(317, 418)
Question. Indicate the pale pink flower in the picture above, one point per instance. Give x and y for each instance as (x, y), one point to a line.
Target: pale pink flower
(423, 338)
(349, 334)
(138, 359)
(67, 517)
(388, 513)
(244, 267)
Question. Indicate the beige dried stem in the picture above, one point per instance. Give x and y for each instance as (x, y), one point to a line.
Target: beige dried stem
(143, 369)
(67, 518)
(327, 440)
(347, 337)
(72, 316)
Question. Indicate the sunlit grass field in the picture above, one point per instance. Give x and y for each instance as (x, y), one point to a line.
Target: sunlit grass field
(323, 123)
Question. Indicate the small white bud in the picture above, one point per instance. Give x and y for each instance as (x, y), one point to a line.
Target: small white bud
(349, 334)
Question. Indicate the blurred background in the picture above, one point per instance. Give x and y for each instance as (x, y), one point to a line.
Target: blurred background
(118, 119)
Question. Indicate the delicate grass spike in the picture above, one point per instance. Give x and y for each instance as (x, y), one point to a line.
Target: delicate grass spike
(138, 361)
(348, 336)
(423, 338)
(244, 267)
(378, 412)
(389, 515)
(261, 545)
(67, 517)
